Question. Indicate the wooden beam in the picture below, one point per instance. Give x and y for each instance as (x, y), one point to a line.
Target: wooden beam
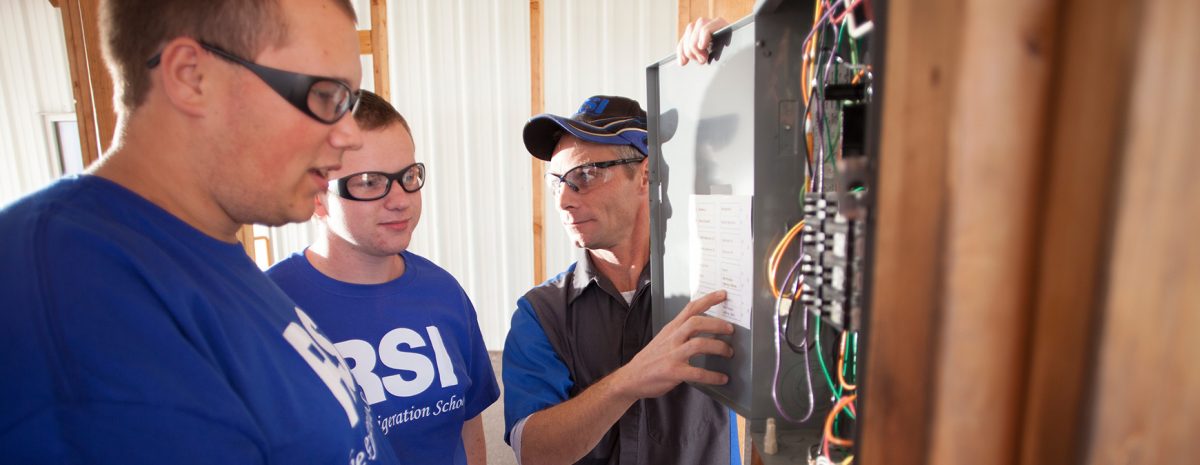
(1146, 404)
(245, 235)
(685, 17)
(919, 76)
(379, 50)
(81, 83)
(537, 168)
(1095, 59)
(997, 135)
(364, 42)
(102, 83)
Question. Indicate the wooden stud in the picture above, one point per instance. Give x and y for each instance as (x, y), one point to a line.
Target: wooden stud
(379, 49)
(364, 42)
(537, 167)
(81, 83)
(996, 133)
(245, 235)
(1145, 407)
(1091, 87)
(918, 82)
(102, 83)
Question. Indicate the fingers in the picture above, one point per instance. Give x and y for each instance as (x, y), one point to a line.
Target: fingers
(680, 51)
(701, 324)
(696, 40)
(704, 44)
(701, 305)
(700, 375)
(707, 346)
(692, 49)
(703, 38)
(704, 324)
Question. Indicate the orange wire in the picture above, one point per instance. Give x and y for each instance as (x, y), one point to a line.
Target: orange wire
(777, 255)
(829, 437)
(841, 361)
(808, 50)
(858, 76)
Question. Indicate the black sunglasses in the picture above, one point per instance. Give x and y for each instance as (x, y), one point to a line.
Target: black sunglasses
(584, 177)
(375, 185)
(324, 99)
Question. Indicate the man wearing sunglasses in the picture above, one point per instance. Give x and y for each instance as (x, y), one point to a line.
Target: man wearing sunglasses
(405, 325)
(586, 380)
(135, 328)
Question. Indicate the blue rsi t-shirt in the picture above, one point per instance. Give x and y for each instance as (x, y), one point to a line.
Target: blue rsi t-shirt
(414, 346)
(128, 336)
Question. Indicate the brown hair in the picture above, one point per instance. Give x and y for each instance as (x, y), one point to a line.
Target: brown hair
(373, 112)
(132, 31)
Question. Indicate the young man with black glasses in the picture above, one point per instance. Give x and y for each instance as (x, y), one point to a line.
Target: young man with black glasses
(405, 325)
(586, 380)
(135, 328)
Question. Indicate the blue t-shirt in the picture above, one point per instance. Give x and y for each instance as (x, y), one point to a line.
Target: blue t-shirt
(129, 336)
(414, 346)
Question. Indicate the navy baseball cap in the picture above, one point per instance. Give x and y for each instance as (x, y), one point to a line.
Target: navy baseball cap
(601, 119)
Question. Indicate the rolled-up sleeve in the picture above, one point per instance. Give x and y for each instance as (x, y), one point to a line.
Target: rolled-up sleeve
(534, 376)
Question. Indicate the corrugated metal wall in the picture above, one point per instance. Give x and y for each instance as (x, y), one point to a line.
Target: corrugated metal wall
(460, 74)
(592, 48)
(34, 81)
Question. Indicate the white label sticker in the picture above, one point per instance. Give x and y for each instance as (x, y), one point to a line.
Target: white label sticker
(721, 255)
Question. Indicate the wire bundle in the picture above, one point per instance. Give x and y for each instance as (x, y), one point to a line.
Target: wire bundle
(832, 20)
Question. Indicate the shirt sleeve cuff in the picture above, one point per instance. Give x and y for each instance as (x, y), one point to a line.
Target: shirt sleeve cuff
(515, 437)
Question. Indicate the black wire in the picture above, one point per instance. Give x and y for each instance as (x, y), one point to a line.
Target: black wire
(787, 335)
(812, 167)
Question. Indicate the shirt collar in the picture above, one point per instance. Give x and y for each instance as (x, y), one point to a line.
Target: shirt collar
(586, 275)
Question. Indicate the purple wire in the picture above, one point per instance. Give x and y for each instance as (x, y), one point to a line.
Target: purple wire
(824, 19)
(820, 113)
(779, 356)
(820, 135)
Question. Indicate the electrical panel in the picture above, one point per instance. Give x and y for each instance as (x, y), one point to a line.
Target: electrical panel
(762, 184)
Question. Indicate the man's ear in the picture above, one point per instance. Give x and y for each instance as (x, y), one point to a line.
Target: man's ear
(644, 170)
(185, 70)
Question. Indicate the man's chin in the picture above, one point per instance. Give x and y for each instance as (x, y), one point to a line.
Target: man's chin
(283, 218)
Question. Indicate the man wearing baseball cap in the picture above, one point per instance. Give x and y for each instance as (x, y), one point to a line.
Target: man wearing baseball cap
(586, 380)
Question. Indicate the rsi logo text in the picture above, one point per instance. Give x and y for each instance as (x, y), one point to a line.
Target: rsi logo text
(373, 385)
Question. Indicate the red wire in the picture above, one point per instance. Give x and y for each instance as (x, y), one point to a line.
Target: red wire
(839, 18)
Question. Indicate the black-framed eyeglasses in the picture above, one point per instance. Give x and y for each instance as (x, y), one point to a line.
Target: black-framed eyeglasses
(584, 177)
(324, 99)
(375, 185)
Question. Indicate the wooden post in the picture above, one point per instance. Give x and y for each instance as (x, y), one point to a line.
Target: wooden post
(920, 69)
(1095, 62)
(537, 167)
(1145, 406)
(379, 49)
(996, 135)
(91, 84)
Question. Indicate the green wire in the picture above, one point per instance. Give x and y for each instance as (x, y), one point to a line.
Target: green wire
(832, 145)
(837, 390)
(853, 49)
